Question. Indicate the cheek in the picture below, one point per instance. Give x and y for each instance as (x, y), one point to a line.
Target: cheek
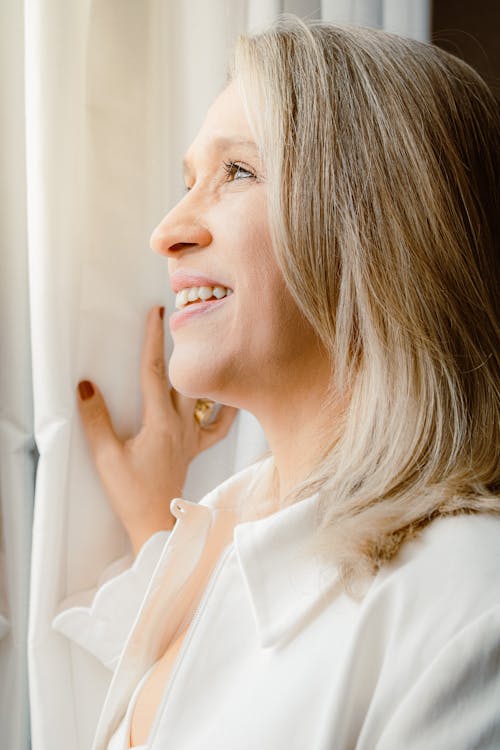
(265, 309)
(275, 328)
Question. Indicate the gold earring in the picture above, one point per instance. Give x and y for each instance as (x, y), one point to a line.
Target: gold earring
(205, 411)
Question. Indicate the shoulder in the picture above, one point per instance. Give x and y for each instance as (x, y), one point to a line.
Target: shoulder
(432, 619)
(460, 553)
(444, 583)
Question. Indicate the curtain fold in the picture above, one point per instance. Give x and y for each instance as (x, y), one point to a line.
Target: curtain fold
(17, 449)
(406, 17)
(101, 98)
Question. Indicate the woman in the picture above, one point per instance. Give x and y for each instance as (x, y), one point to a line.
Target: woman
(343, 591)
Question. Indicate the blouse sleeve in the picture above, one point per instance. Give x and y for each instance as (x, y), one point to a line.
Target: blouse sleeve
(455, 703)
(100, 619)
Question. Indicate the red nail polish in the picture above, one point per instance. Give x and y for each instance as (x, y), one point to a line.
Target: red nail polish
(86, 389)
(162, 312)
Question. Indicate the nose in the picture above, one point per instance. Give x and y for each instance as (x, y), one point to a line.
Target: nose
(180, 229)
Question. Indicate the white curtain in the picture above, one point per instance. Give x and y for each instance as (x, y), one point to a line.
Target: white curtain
(100, 99)
(407, 17)
(17, 448)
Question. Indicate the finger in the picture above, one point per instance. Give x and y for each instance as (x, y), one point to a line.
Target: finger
(217, 430)
(97, 424)
(154, 380)
(184, 405)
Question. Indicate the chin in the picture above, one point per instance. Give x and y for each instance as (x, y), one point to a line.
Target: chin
(190, 379)
(195, 381)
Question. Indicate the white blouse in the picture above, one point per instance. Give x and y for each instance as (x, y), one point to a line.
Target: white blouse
(278, 657)
(121, 738)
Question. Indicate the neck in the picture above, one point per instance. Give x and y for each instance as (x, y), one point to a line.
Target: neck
(293, 422)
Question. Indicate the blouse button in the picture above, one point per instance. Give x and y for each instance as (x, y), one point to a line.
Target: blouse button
(180, 507)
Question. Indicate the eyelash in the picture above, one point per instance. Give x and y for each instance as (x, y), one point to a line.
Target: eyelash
(229, 166)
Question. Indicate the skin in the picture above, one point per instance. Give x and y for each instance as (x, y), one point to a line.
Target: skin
(255, 352)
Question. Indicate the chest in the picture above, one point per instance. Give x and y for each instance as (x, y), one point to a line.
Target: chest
(187, 603)
(228, 691)
(151, 692)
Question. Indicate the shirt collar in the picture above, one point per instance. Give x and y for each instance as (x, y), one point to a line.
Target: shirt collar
(286, 587)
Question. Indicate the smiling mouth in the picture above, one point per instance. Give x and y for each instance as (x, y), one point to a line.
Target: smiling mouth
(195, 294)
(197, 302)
(195, 309)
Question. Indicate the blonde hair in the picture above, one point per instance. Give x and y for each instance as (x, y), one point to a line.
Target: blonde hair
(381, 158)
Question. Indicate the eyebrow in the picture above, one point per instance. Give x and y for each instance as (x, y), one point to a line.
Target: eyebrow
(220, 143)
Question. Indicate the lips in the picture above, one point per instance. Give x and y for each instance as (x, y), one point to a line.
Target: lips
(182, 279)
(196, 309)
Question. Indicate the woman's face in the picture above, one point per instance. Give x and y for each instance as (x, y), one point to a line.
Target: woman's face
(244, 348)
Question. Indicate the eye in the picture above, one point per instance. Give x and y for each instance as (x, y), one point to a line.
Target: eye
(236, 171)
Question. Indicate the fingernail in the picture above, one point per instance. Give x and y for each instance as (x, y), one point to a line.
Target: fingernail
(162, 312)
(86, 389)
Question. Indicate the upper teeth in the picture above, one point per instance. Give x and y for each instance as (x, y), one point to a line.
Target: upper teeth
(192, 293)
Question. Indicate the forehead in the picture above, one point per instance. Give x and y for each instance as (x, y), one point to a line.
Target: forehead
(225, 125)
(227, 108)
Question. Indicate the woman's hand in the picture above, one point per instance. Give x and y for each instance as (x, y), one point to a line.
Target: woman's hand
(141, 475)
